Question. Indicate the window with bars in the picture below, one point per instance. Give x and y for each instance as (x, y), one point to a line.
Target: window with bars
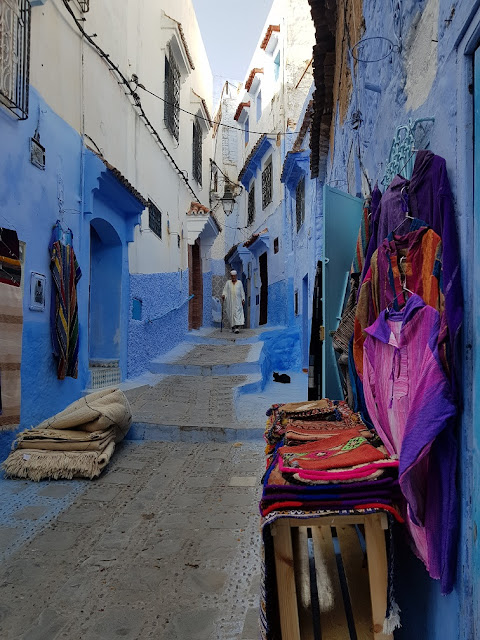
(246, 130)
(84, 5)
(197, 151)
(172, 94)
(267, 184)
(155, 219)
(15, 56)
(251, 205)
(300, 202)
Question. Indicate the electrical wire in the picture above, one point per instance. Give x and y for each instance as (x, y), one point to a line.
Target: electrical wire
(131, 93)
(235, 184)
(228, 126)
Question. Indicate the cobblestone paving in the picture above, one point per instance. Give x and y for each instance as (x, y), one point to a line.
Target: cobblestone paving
(163, 546)
(209, 355)
(187, 401)
(227, 334)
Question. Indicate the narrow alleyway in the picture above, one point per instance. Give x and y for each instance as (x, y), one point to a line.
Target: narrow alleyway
(165, 544)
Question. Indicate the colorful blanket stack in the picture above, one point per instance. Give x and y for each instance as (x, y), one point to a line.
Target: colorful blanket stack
(321, 456)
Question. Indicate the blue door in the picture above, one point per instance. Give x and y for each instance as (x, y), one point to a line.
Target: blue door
(342, 214)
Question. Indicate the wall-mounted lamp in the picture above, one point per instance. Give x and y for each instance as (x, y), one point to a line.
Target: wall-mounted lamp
(228, 200)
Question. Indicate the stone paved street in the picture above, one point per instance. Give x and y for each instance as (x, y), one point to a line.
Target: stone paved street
(164, 545)
(187, 401)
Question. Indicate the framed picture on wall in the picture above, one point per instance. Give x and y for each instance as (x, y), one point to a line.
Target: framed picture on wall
(37, 291)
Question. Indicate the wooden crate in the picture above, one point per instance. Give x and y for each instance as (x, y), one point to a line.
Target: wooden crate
(364, 594)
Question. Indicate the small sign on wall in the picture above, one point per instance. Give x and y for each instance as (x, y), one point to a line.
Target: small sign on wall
(37, 291)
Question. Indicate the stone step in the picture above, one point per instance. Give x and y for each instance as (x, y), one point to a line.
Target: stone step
(193, 433)
(210, 360)
(212, 335)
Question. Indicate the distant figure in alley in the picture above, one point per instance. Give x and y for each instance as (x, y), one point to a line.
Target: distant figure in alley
(234, 297)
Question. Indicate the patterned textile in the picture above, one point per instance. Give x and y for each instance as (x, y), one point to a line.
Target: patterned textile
(281, 416)
(11, 323)
(362, 240)
(64, 311)
(410, 401)
(347, 449)
(421, 250)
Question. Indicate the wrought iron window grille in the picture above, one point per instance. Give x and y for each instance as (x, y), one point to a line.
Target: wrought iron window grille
(15, 18)
(172, 94)
(300, 202)
(267, 185)
(84, 5)
(197, 151)
(155, 219)
(251, 205)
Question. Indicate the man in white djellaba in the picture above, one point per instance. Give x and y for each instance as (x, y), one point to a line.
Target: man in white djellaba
(234, 297)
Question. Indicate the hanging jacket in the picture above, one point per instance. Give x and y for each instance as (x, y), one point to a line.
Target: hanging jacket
(409, 399)
(382, 287)
(430, 199)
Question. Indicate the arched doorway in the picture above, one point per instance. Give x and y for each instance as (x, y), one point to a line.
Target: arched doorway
(105, 293)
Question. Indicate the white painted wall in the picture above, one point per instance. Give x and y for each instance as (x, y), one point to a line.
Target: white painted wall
(78, 85)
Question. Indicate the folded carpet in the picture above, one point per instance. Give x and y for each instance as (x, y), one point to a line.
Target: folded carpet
(77, 442)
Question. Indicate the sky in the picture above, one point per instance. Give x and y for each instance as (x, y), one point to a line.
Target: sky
(230, 31)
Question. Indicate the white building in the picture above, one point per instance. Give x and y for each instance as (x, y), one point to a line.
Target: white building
(267, 107)
(115, 98)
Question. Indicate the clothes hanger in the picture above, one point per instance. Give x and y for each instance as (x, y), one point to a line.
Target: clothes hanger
(404, 287)
(407, 212)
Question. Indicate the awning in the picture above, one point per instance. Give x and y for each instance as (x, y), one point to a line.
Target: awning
(201, 221)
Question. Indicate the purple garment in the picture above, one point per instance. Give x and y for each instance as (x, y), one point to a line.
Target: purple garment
(374, 217)
(410, 402)
(430, 199)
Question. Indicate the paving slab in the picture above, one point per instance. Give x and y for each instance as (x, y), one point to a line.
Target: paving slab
(160, 558)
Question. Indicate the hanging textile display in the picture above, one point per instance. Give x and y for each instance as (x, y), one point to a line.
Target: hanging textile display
(427, 196)
(64, 308)
(402, 354)
(11, 324)
(410, 402)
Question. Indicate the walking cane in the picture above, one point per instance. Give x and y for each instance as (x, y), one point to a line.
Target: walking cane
(221, 318)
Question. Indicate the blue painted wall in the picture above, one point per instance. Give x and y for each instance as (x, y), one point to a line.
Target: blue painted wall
(277, 303)
(425, 613)
(31, 200)
(207, 299)
(164, 319)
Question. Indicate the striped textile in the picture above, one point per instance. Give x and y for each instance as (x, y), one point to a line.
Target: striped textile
(421, 250)
(64, 310)
(362, 241)
(11, 324)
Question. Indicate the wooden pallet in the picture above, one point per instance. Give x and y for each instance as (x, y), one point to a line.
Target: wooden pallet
(365, 590)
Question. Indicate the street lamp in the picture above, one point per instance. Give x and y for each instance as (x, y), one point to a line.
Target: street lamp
(228, 200)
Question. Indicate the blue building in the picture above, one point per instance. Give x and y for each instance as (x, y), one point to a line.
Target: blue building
(392, 78)
(83, 152)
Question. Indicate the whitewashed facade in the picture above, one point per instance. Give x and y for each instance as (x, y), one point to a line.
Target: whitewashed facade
(267, 108)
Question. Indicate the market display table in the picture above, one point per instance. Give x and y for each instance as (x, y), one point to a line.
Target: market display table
(367, 590)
